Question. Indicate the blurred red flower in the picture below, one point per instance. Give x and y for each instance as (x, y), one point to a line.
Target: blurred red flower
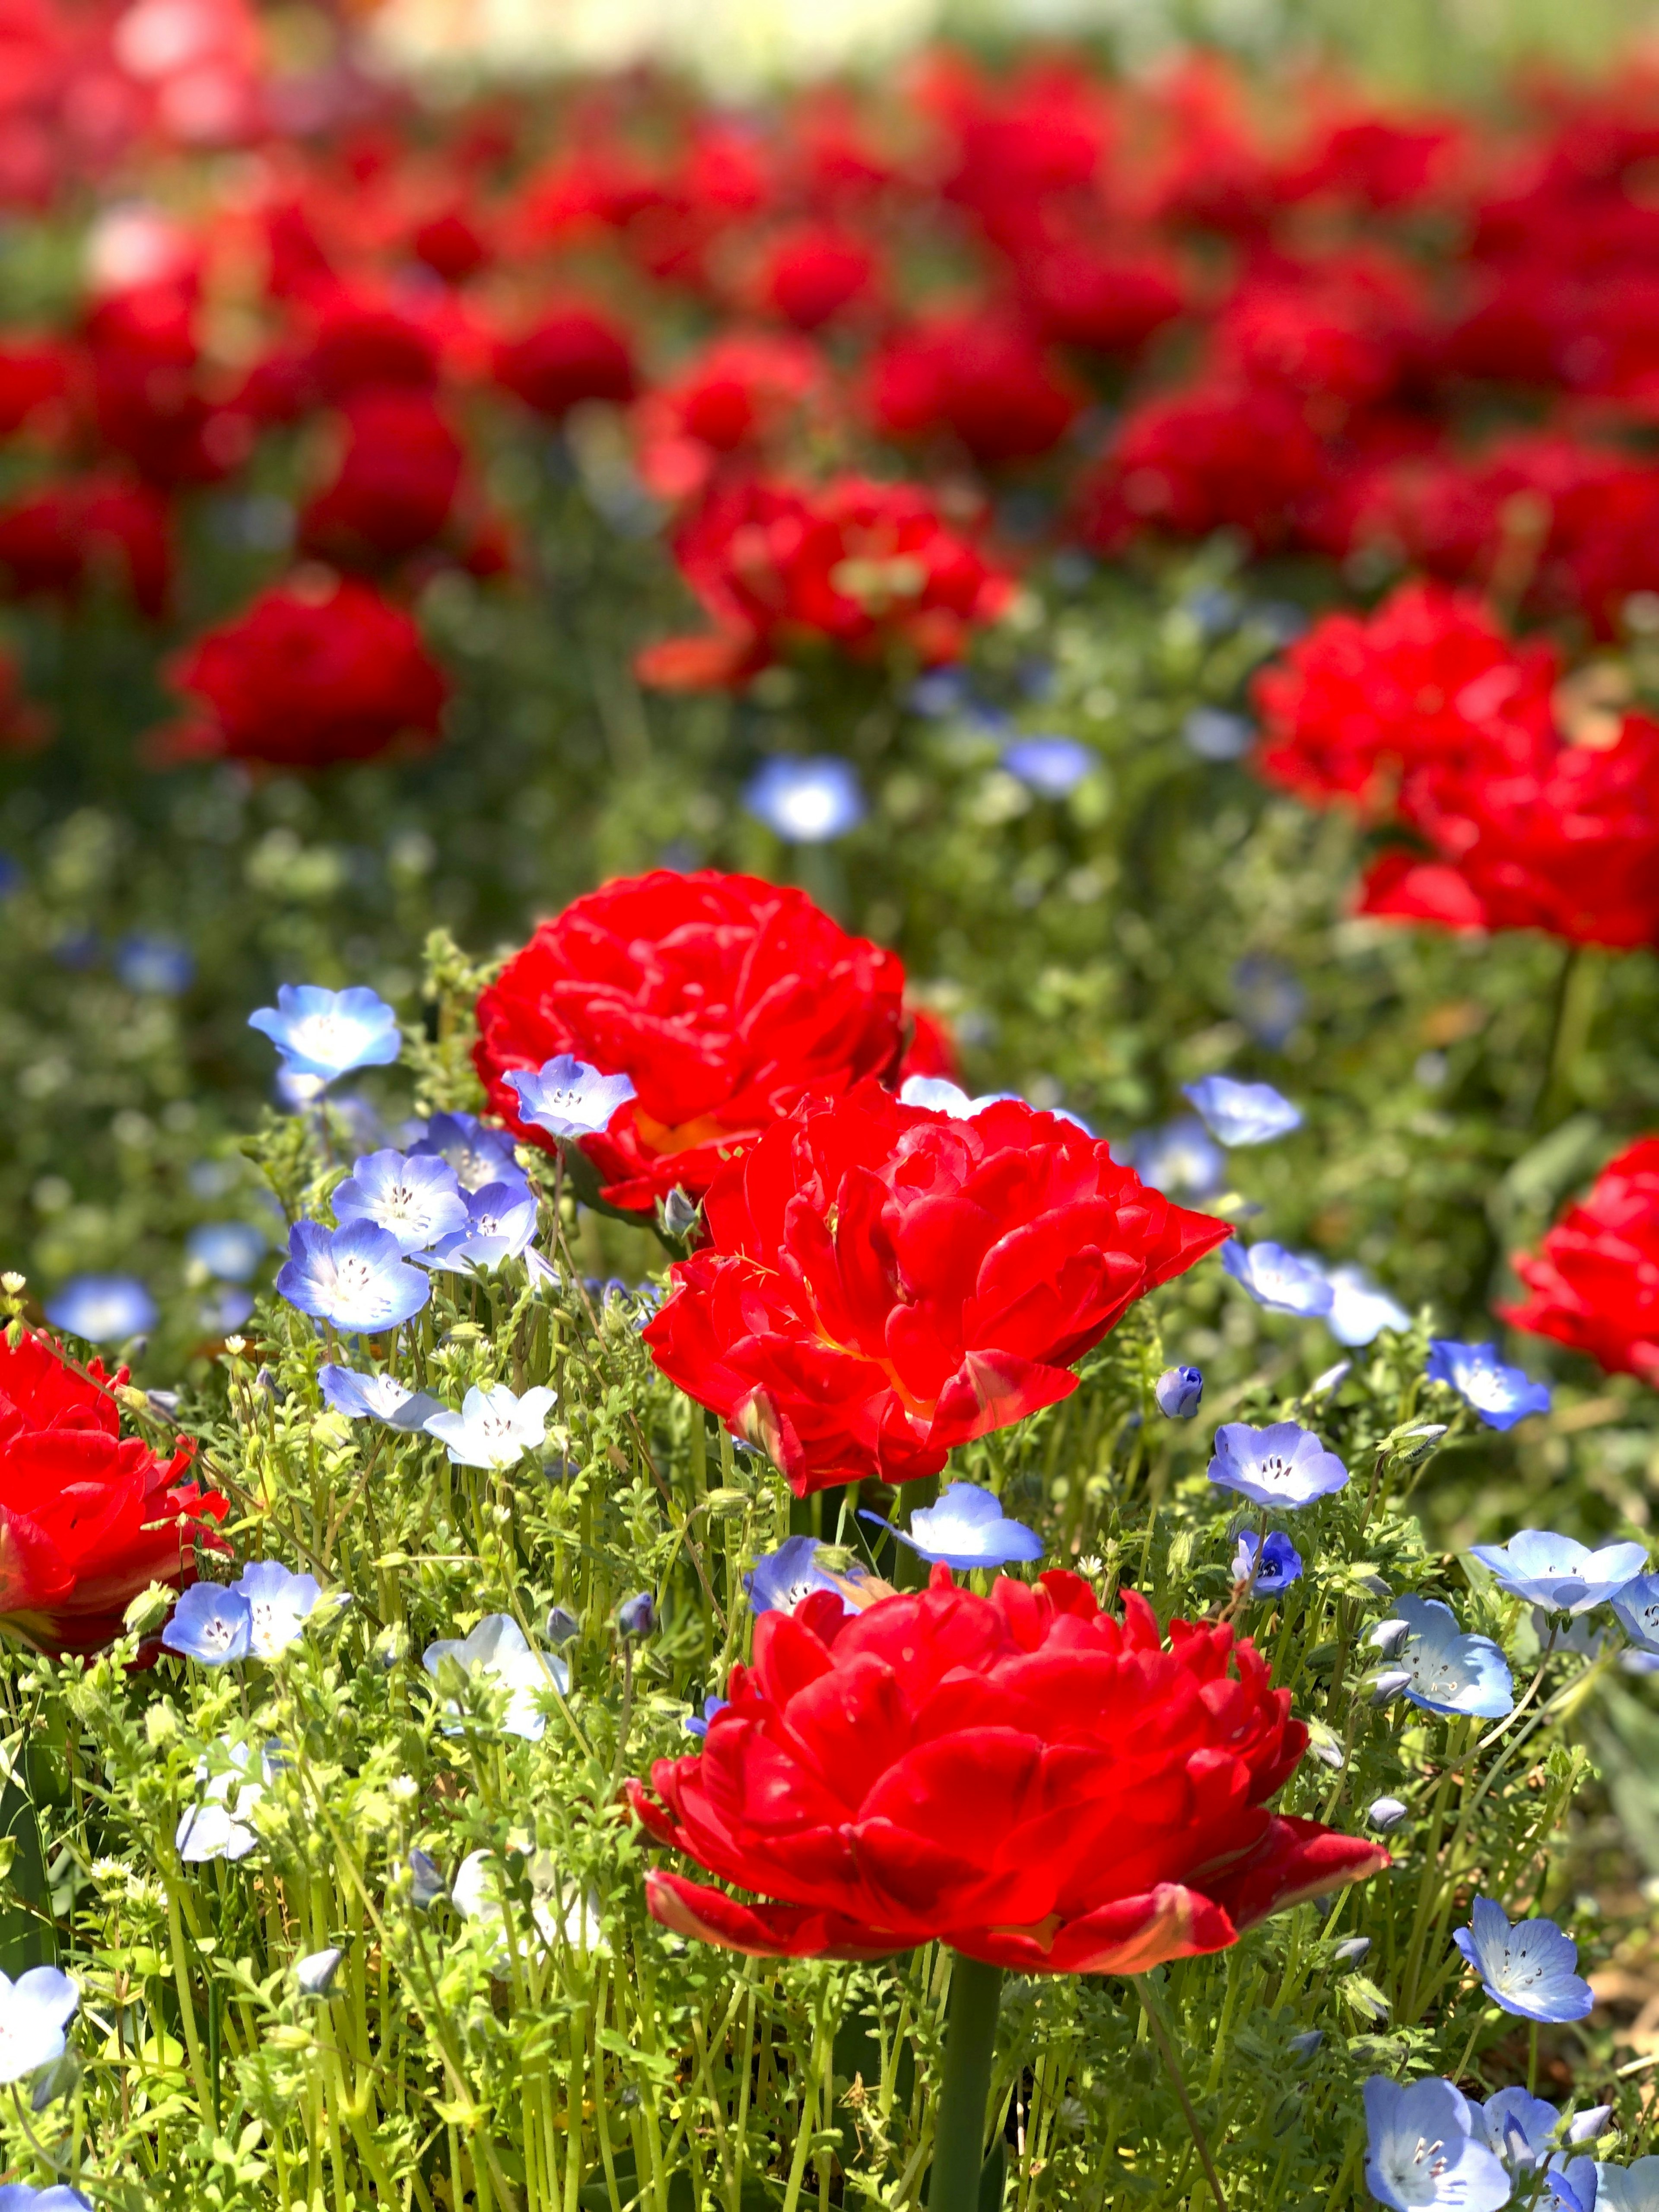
(882, 1282)
(149, 398)
(983, 378)
(24, 727)
(396, 485)
(317, 670)
(1594, 1282)
(1216, 455)
(1021, 1777)
(61, 538)
(725, 998)
(87, 1518)
(735, 400)
(35, 375)
(814, 273)
(574, 353)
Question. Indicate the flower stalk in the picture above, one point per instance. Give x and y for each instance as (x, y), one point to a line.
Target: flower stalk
(970, 2037)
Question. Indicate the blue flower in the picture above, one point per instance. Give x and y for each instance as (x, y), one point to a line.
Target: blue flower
(102, 1308)
(217, 1827)
(1179, 1392)
(501, 1225)
(225, 1310)
(211, 1625)
(1215, 735)
(807, 802)
(966, 1528)
(1305, 2045)
(478, 1155)
(1283, 1464)
(496, 1651)
(637, 1616)
(698, 1723)
(315, 1973)
(779, 1582)
(1241, 1113)
(415, 1199)
(229, 1249)
(34, 2010)
(940, 692)
(161, 964)
(940, 1096)
(494, 1427)
(1269, 1000)
(1277, 1278)
(376, 1397)
(1637, 1610)
(278, 1604)
(1051, 766)
(1573, 2188)
(1528, 1968)
(19, 2197)
(1557, 1573)
(1268, 1567)
(325, 1033)
(1501, 1395)
(1212, 610)
(1448, 1672)
(1178, 1157)
(1625, 2188)
(1359, 1312)
(1386, 1814)
(1526, 2134)
(426, 1884)
(569, 1098)
(1427, 2146)
(356, 1279)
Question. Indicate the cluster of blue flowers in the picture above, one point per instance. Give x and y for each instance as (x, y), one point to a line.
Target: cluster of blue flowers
(1430, 2146)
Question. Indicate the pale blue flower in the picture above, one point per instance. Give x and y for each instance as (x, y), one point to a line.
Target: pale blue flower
(781, 1580)
(1278, 1279)
(966, 1528)
(1269, 1000)
(1241, 1113)
(1557, 1573)
(19, 2197)
(1305, 2045)
(940, 1096)
(356, 1279)
(807, 802)
(1054, 767)
(1359, 1311)
(1637, 1611)
(34, 2010)
(698, 1723)
(1525, 2133)
(426, 1884)
(501, 1225)
(569, 1098)
(211, 1625)
(217, 1828)
(1572, 2188)
(279, 1604)
(1215, 735)
(229, 1249)
(325, 1033)
(315, 1973)
(478, 1155)
(155, 963)
(1501, 1395)
(1283, 1464)
(376, 1397)
(1386, 1814)
(1179, 1159)
(102, 1308)
(494, 1427)
(496, 1651)
(1449, 1672)
(1528, 1968)
(1427, 2146)
(226, 1309)
(1268, 1567)
(1179, 1392)
(940, 692)
(415, 1198)
(637, 1616)
(1632, 2188)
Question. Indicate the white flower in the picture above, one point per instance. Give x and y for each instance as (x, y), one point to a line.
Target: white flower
(34, 2010)
(558, 1908)
(496, 1649)
(217, 1828)
(494, 1427)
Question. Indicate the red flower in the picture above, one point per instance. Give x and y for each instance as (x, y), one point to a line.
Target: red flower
(1429, 679)
(87, 1518)
(814, 273)
(1021, 1776)
(361, 341)
(1083, 291)
(982, 378)
(882, 1282)
(1595, 1280)
(312, 673)
(1215, 456)
(572, 353)
(725, 998)
(737, 397)
(35, 380)
(24, 728)
(55, 541)
(148, 394)
(396, 485)
(865, 568)
(931, 1049)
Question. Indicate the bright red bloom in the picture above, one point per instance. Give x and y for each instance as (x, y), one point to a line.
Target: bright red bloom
(1214, 456)
(882, 1283)
(725, 998)
(931, 1049)
(1594, 1282)
(87, 1518)
(148, 396)
(1341, 330)
(737, 397)
(1081, 291)
(1021, 1776)
(815, 272)
(982, 378)
(572, 353)
(55, 541)
(363, 341)
(396, 485)
(35, 379)
(311, 673)
(867, 568)
(1429, 679)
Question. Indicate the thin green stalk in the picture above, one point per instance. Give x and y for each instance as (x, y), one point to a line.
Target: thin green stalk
(970, 2038)
(1160, 2035)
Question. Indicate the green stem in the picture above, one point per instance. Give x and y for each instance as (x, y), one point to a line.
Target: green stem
(1172, 2067)
(970, 2037)
(1571, 1018)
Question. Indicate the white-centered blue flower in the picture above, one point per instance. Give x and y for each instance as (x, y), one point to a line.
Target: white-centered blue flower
(1527, 2133)
(148, 962)
(1237, 1113)
(327, 1034)
(19, 2197)
(1215, 735)
(496, 1650)
(807, 802)
(1427, 2146)
(356, 1279)
(1447, 1671)
(494, 1427)
(501, 1225)
(938, 1095)
(782, 1580)
(1053, 767)
(279, 1604)
(1179, 1392)
(558, 1910)
(34, 2010)
(1265, 1568)
(1278, 1279)
(229, 1249)
(1633, 2188)
(1636, 1608)
(1179, 1157)
(414, 1199)
(569, 1098)
(211, 1625)
(479, 1155)
(217, 1827)
(1283, 1464)
(1529, 1967)
(1359, 1311)
(1501, 1395)
(102, 1308)
(966, 1528)
(376, 1397)
(1555, 1572)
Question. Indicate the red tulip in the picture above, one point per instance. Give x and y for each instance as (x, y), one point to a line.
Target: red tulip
(397, 484)
(575, 353)
(725, 998)
(882, 1282)
(1215, 456)
(58, 538)
(1021, 1777)
(87, 1518)
(983, 378)
(1594, 1283)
